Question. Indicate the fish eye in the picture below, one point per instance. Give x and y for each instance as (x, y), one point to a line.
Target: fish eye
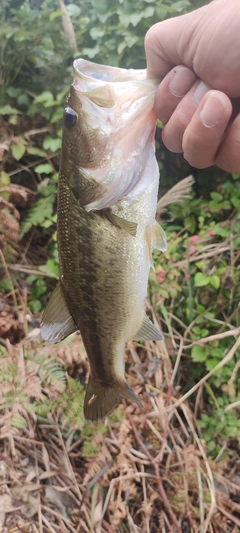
(70, 117)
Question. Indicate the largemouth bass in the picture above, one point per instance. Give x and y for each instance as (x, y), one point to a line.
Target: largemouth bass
(107, 198)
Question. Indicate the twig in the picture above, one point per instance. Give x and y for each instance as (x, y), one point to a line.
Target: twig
(96, 478)
(134, 476)
(234, 519)
(156, 468)
(46, 522)
(209, 477)
(30, 270)
(202, 257)
(9, 279)
(58, 515)
(222, 363)
(232, 333)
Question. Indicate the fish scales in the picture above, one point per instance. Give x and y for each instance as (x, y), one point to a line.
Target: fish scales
(107, 197)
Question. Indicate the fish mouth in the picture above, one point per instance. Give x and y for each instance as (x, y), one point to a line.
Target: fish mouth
(103, 83)
(119, 103)
(93, 71)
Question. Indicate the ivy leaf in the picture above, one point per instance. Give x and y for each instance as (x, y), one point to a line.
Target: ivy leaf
(223, 232)
(198, 354)
(215, 281)
(45, 97)
(9, 110)
(211, 363)
(235, 201)
(55, 15)
(91, 52)
(4, 182)
(216, 196)
(52, 144)
(17, 150)
(96, 33)
(201, 280)
(44, 168)
(36, 151)
(51, 268)
(73, 10)
(100, 7)
(134, 18)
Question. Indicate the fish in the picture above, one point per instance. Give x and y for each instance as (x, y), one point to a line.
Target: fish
(107, 199)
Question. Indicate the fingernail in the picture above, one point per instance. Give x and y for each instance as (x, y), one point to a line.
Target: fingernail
(212, 111)
(200, 91)
(182, 81)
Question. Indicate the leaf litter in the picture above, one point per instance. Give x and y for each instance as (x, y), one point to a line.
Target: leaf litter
(151, 472)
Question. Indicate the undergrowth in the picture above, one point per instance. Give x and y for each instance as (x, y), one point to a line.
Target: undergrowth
(190, 384)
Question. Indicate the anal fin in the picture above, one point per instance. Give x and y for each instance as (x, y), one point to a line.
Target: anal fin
(148, 332)
(100, 400)
(57, 322)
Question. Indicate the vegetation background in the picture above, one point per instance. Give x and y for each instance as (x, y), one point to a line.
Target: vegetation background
(175, 466)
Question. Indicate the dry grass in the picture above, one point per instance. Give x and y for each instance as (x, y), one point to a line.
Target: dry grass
(152, 472)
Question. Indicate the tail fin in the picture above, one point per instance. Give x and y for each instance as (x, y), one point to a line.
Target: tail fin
(100, 400)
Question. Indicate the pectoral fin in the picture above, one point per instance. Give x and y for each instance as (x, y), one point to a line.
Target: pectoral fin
(129, 227)
(57, 322)
(148, 332)
(86, 189)
(158, 237)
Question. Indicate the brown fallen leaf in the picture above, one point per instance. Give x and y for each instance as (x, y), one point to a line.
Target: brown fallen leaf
(5, 506)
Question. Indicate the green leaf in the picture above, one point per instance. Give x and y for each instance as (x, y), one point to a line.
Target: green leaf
(163, 292)
(100, 6)
(17, 150)
(180, 5)
(134, 18)
(46, 96)
(51, 268)
(91, 52)
(235, 201)
(52, 144)
(190, 223)
(57, 115)
(198, 354)
(44, 168)
(73, 10)
(216, 196)
(4, 182)
(96, 33)
(36, 151)
(55, 15)
(9, 110)
(201, 280)
(211, 363)
(223, 232)
(211, 445)
(215, 281)
(161, 12)
(4, 179)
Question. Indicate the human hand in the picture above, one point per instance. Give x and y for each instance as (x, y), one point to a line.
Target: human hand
(199, 99)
